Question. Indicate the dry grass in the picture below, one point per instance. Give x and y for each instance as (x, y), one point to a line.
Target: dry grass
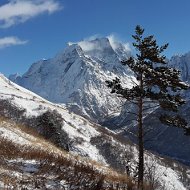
(75, 170)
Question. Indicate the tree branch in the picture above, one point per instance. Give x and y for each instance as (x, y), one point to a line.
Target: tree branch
(156, 106)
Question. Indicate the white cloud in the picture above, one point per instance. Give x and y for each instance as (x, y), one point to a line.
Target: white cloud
(19, 11)
(10, 41)
(93, 37)
(88, 44)
(115, 42)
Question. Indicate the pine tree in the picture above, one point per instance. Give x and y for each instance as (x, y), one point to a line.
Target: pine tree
(157, 83)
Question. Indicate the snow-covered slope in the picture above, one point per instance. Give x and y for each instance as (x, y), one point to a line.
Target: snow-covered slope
(34, 105)
(76, 77)
(182, 62)
(30, 162)
(162, 139)
(97, 144)
(167, 140)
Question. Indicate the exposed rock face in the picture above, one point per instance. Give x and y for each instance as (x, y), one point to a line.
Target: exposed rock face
(76, 77)
(182, 62)
(161, 138)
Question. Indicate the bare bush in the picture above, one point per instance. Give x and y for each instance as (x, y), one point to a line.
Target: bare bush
(76, 173)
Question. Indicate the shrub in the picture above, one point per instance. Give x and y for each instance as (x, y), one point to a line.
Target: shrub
(49, 125)
(9, 110)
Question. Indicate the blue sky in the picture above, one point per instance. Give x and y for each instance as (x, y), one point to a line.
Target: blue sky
(34, 29)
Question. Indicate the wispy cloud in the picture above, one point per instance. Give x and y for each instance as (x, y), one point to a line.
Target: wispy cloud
(115, 42)
(19, 11)
(93, 37)
(87, 45)
(11, 41)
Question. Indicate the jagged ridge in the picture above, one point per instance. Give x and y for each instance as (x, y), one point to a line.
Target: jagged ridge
(76, 77)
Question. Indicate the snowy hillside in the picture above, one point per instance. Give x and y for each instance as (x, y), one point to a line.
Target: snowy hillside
(34, 105)
(90, 140)
(164, 139)
(76, 77)
(30, 162)
(161, 138)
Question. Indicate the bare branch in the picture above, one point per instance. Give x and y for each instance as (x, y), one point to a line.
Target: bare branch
(156, 106)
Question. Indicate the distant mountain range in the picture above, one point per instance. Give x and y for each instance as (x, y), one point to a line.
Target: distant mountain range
(85, 138)
(76, 78)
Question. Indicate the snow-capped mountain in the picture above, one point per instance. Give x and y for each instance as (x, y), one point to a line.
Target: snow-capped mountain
(76, 77)
(88, 139)
(28, 161)
(162, 139)
(182, 62)
(33, 105)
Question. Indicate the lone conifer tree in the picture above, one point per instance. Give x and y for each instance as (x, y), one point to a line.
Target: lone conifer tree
(157, 83)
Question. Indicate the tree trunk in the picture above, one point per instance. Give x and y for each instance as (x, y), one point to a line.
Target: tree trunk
(140, 141)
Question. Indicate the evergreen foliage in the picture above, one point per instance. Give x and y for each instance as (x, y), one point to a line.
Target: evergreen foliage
(157, 83)
(49, 125)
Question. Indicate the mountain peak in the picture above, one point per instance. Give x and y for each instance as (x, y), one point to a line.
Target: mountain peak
(99, 48)
(181, 62)
(105, 49)
(72, 51)
(95, 44)
(76, 77)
